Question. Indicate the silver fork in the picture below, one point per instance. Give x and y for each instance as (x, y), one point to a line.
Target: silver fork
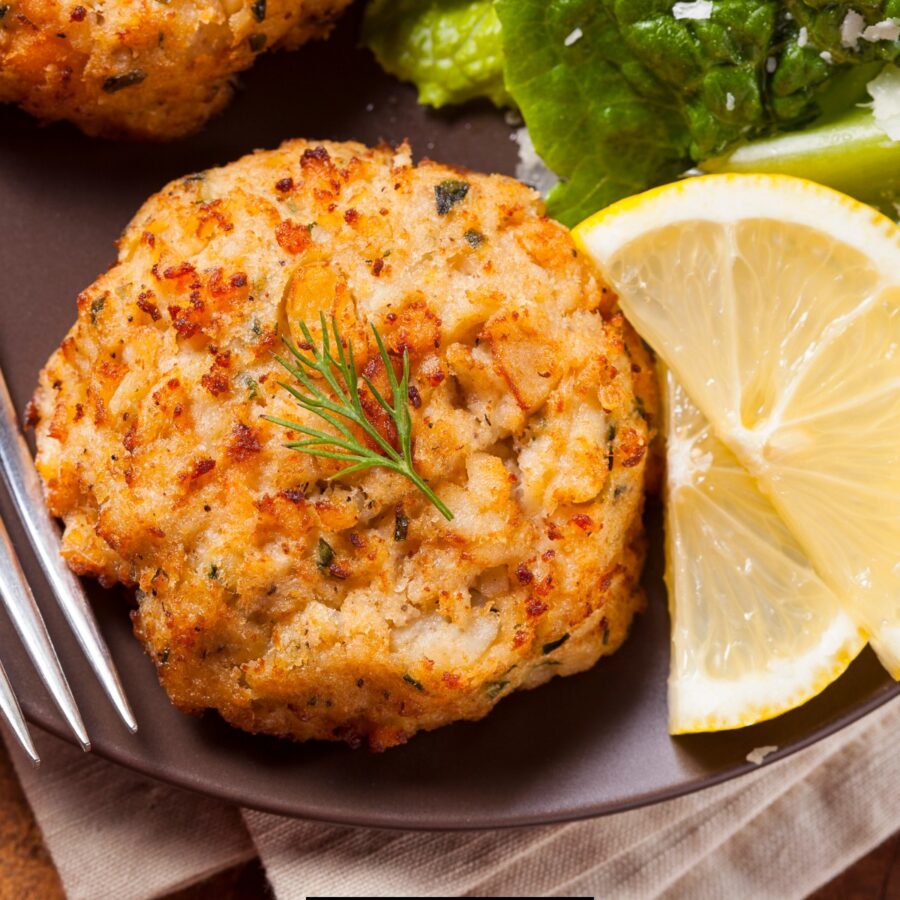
(24, 487)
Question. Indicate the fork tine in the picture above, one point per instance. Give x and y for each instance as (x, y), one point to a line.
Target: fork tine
(12, 714)
(24, 486)
(25, 615)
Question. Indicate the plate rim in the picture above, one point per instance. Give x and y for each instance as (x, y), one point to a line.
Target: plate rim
(420, 823)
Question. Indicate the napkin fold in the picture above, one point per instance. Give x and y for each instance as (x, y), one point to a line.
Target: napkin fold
(781, 831)
(112, 833)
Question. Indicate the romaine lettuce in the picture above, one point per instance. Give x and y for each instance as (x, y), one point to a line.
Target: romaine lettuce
(599, 118)
(857, 152)
(451, 49)
(643, 93)
(619, 95)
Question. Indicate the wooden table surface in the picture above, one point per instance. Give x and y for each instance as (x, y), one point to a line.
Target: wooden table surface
(26, 870)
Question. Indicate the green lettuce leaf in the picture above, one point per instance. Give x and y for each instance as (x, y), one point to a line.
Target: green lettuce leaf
(451, 49)
(620, 95)
(854, 152)
(597, 115)
(828, 28)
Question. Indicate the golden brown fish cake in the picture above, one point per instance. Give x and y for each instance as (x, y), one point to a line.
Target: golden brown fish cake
(525, 422)
(142, 68)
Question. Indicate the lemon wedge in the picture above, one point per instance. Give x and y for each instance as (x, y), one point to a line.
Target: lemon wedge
(755, 631)
(776, 304)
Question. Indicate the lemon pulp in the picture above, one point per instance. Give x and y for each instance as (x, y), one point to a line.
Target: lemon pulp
(776, 304)
(755, 631)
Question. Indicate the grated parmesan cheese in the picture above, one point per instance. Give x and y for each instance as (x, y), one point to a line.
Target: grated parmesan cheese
(698, 10)
(531, 168)
(885, 93)
(888, 30)
(851, 29)
(576, 35)
(729, 102)
(513, 118)
(759, 754)
(803, 37)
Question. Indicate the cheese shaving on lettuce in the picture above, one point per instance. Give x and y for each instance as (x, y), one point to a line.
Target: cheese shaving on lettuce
(699, 10)
(885, 93)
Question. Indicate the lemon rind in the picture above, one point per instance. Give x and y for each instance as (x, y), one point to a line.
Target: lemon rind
(748, 196)
(700, 703)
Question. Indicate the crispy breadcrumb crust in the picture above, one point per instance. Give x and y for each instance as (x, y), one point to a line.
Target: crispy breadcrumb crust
(525, 422)
(142, 68)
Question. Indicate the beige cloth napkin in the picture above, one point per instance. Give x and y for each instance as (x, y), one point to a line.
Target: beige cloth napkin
(780, 832)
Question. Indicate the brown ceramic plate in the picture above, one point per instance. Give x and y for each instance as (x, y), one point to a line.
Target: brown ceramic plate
(580, 746)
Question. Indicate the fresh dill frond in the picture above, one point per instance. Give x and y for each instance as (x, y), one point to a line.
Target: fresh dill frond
(344, 405)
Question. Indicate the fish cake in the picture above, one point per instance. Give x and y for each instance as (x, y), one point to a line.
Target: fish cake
(348, 608)
(143, 68)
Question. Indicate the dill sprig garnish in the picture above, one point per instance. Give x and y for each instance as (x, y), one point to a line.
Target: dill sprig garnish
(339, 373)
